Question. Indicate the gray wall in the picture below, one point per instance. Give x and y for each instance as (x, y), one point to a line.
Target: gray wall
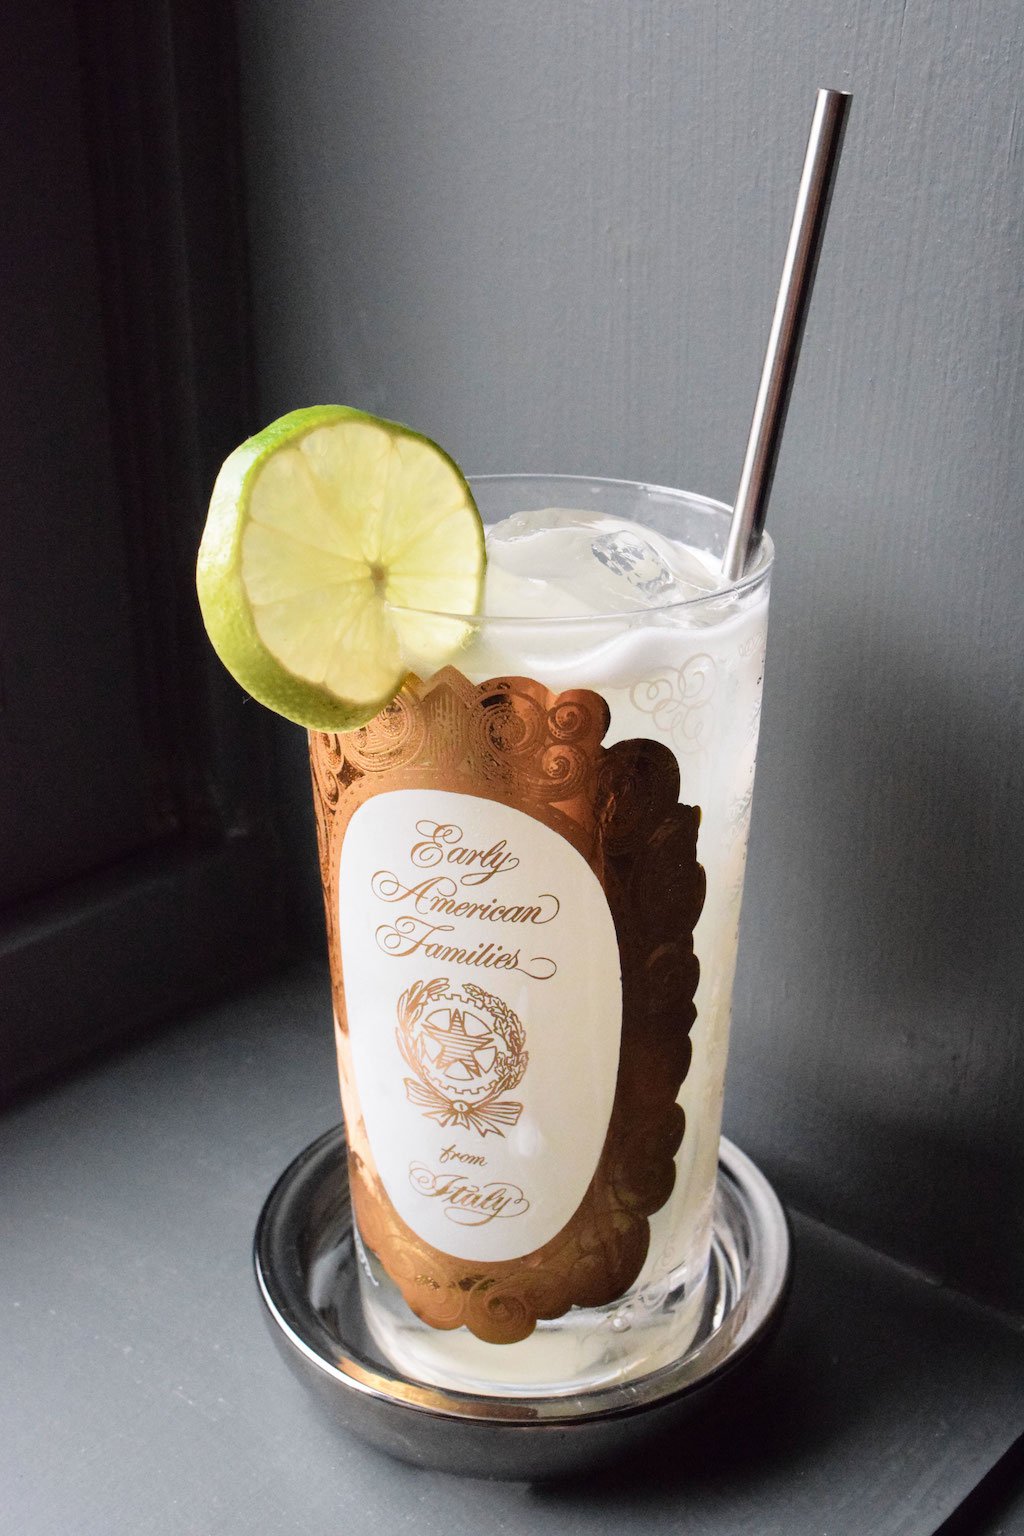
(548, 234)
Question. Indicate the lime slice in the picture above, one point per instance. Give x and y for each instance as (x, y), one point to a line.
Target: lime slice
(334, 546)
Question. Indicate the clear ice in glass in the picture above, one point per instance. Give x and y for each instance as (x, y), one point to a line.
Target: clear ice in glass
(559, 561)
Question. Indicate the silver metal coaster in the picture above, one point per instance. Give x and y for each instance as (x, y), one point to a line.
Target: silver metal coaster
(306, 1271)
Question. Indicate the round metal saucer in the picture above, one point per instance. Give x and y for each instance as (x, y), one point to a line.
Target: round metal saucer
(306, 1272)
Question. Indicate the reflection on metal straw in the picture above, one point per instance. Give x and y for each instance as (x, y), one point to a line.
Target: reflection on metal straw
(805, 237)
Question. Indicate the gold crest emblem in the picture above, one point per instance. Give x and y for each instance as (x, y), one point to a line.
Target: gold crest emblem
(466, 1048)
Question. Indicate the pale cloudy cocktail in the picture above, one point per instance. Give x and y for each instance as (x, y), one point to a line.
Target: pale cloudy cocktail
(533, 865)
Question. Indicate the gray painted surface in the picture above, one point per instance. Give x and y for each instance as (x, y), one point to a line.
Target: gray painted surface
(549, 235)
(142, 1397)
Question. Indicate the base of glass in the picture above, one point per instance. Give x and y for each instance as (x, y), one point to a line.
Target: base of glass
(586, 1348)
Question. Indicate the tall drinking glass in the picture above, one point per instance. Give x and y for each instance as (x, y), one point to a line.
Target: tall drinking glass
(532, 866)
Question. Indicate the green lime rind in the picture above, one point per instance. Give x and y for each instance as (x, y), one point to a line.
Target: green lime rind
(223, 597)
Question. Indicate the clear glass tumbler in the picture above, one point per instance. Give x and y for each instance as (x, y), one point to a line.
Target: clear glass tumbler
(532, 867)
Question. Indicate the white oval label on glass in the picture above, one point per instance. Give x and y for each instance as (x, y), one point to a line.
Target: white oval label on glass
(484, 1004)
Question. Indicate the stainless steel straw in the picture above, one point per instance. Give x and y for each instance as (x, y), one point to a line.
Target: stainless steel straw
(791, 306)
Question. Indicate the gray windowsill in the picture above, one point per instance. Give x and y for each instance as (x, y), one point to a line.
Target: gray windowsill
(141, 1394)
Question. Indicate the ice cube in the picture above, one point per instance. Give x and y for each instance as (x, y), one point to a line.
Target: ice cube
(635, 559)
(558, 562)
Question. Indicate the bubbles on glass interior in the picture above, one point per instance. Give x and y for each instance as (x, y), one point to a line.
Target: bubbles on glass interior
(558, 562)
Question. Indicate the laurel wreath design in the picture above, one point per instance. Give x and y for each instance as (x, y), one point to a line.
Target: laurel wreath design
(490, 1115)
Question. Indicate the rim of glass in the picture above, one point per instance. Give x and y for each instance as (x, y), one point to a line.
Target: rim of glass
(750, 579)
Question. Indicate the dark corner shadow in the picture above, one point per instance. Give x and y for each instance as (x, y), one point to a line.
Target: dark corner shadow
(996, 1505)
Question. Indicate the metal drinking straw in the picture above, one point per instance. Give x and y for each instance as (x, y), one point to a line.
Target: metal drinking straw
(812, 203)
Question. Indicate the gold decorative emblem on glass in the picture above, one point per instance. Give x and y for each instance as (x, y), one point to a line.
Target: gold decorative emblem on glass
(485, 899)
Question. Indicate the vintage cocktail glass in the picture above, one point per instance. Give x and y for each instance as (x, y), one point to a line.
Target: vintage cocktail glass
(533, 867)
